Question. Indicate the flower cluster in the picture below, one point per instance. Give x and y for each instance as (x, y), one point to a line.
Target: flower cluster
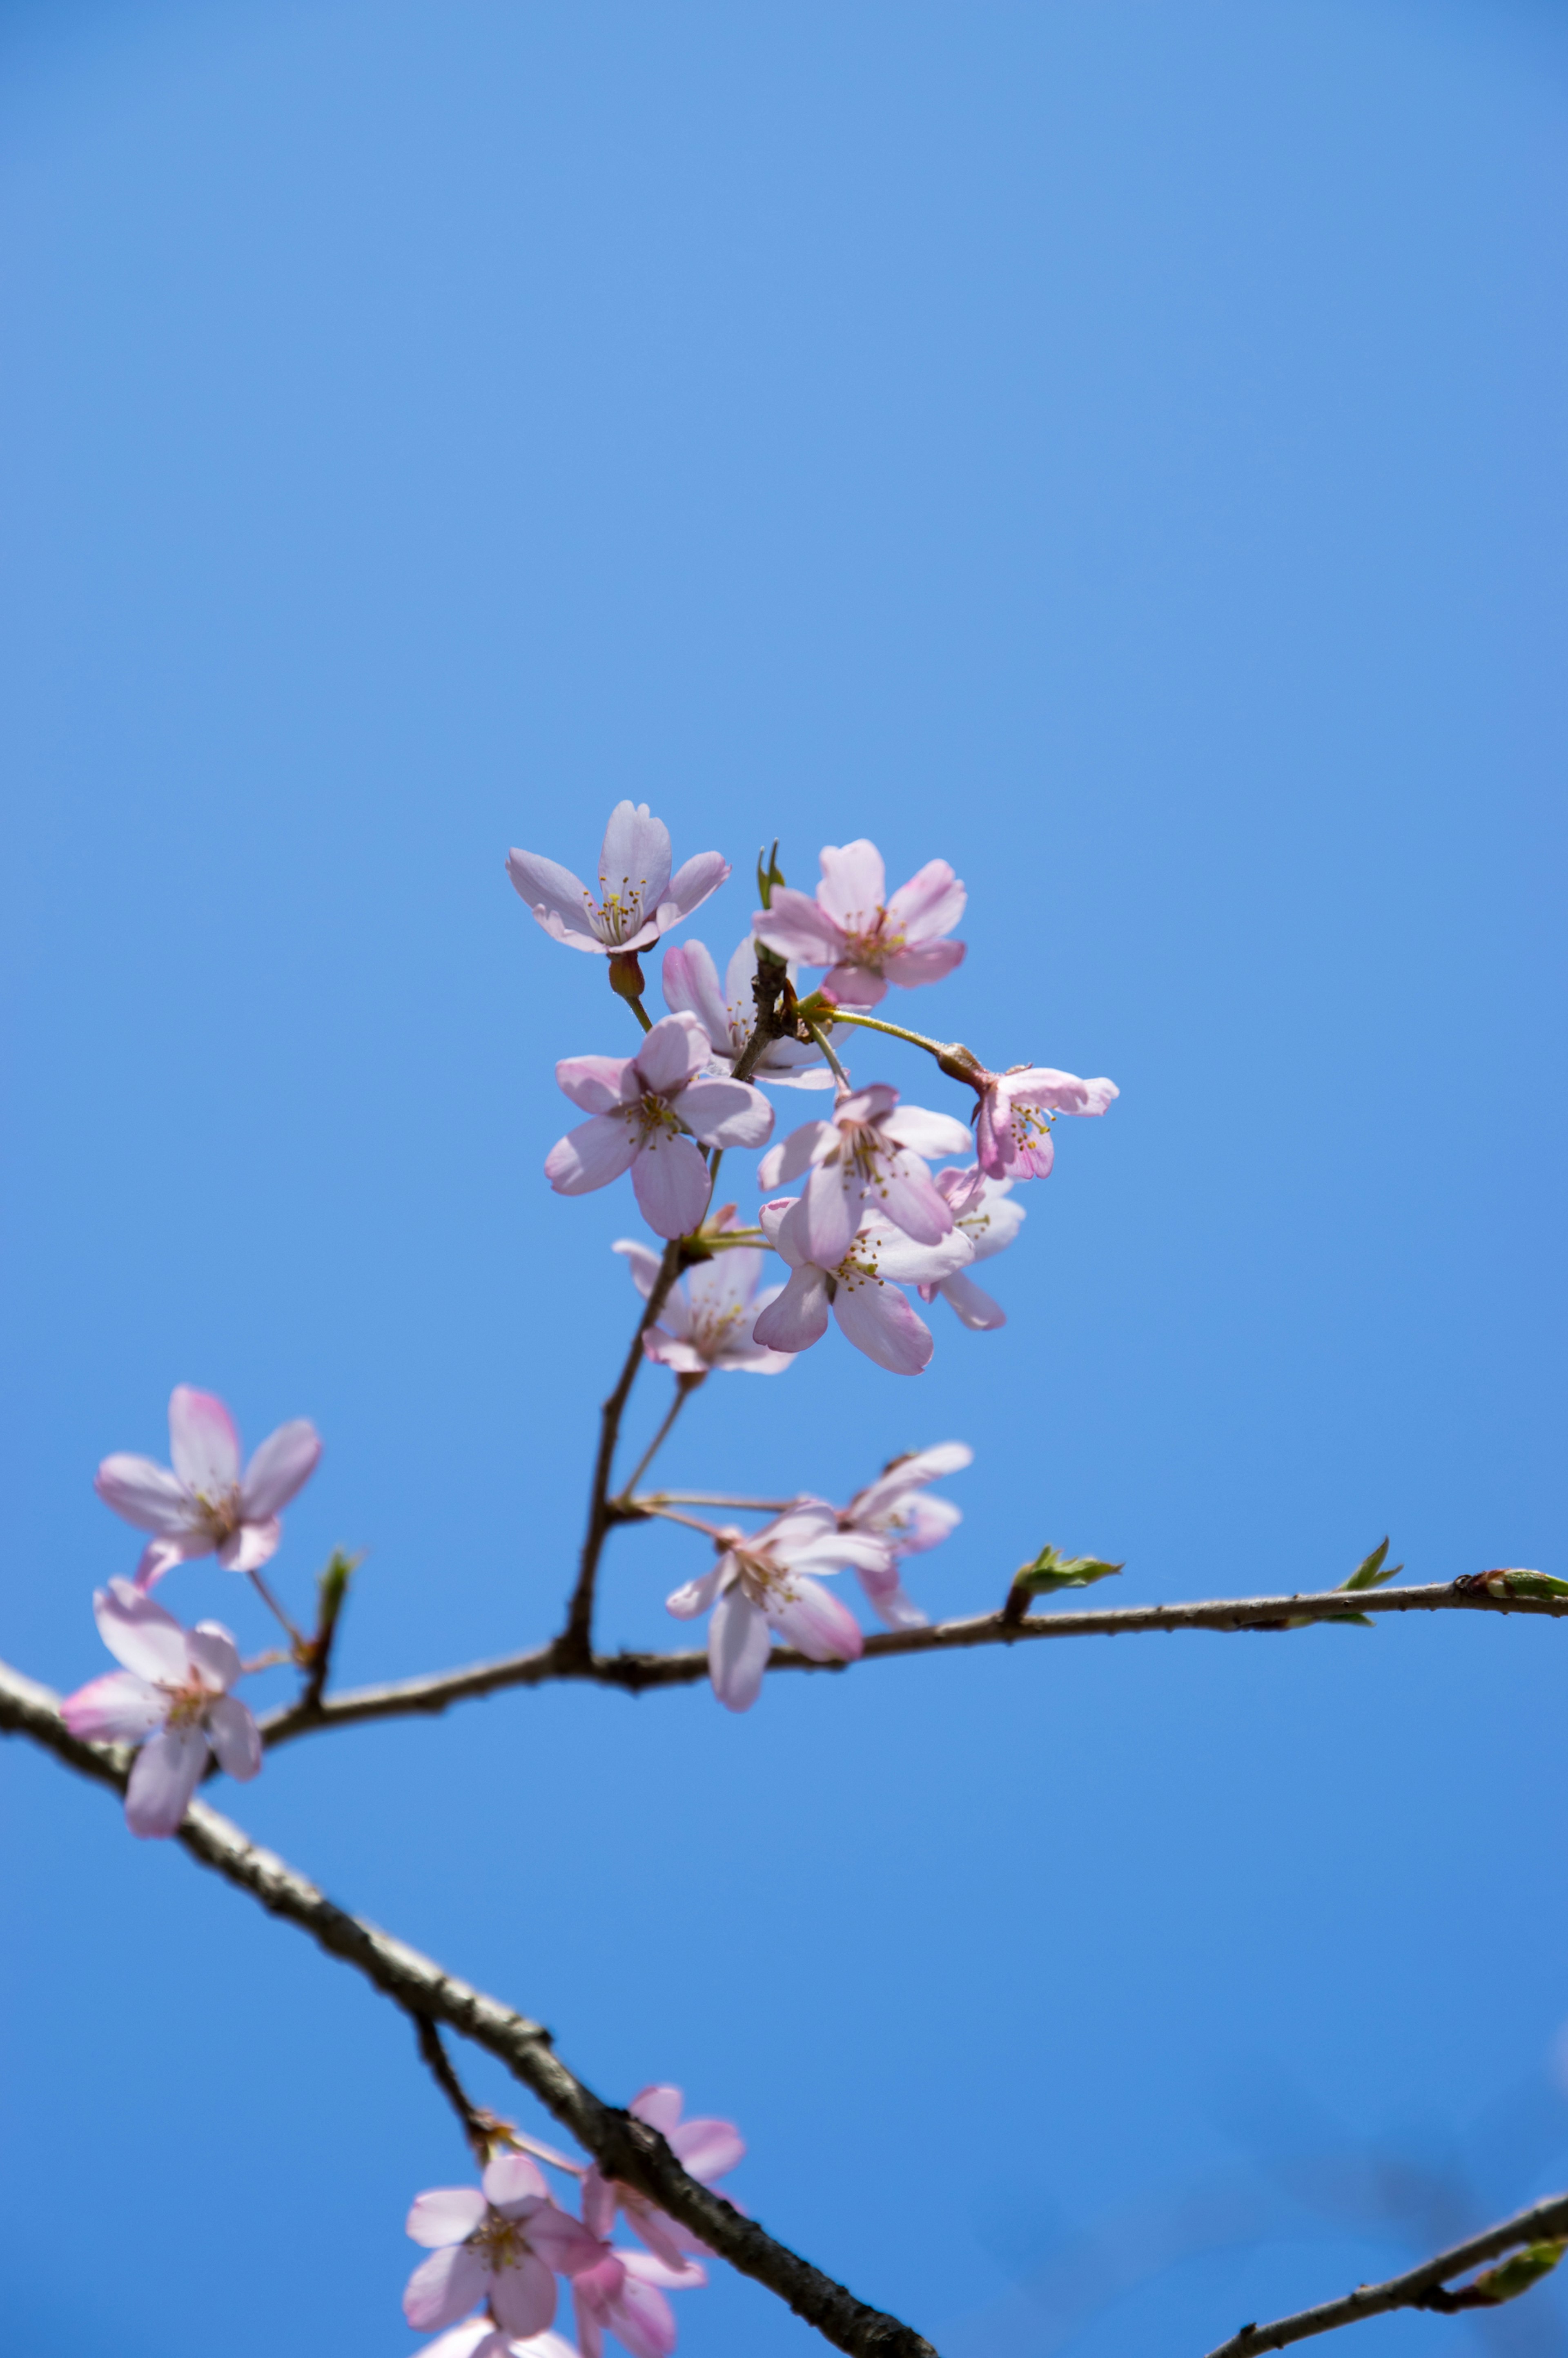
(500, 2247)
(172, 1697)
(870, 1220)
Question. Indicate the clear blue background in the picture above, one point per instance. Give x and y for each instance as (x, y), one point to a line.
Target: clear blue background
(1117, 449)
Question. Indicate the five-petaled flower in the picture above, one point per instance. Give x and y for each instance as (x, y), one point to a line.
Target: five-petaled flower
(763, 1582)
(707, 1319)
(863, 938)
(983, 1210)
(638, 899)
(861, 1288)
(645, 1112)
(501, 2243)
(892, 1510)
(868, 1158)
(205, 1506)
(705, 2150)
(172, 1698)
(1013, 1129)
(690, 981)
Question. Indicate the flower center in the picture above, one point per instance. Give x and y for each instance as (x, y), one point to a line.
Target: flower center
(765, 1583)
(619, 915)
(221, 1515)
(499, 2242)
(652, 1114)
(186, 1708)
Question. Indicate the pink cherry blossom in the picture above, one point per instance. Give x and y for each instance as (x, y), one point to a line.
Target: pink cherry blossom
(647, 1111)
(983, 1211)
(480, 2337)
(861, 1289)
(638, 900)
(865, 940)
(705, 2149)
(501, 2242)
(708, 1316)
(728, 1017)
(205, 1506)
(763, 1582)
(172, 1698)
(868, 1158)
(623, 2293)
(892, 1510)
(1013, 1132)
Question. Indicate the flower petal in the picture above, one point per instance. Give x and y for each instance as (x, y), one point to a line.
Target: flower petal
(697, 1595)
(280, 1468)
(668, 1350)
(909, 1198)
(689, 980)
(513, 2178)
(854, 986)
(928, 1134)
(202, 1441)
(523, 2298)
(830, 1204)
(445, 2214)
(672, 1184)
(660, 2107)
(675, 1048)
(705, 2149)
(476, 2337)
(551, 890)
(149, 1496)
(443, 2287)
(798, 1317)
(235, 1738)
(878, 1320)
(212, 1651)
(726, 1113)
(634, 858)
(591, 1155)
(797, 928)
(974, 1306)
(598, 1084)
(1041, 1084)
(854, 884)
(930, 905)
(251, 1546)
(928, 962)
(163, 1775)
(118, 1708)
(562, 2242)
(693, 882)
(793, 1155)
(643, 1263)
(737, 1648)
(141, 1633)
(641, 2318)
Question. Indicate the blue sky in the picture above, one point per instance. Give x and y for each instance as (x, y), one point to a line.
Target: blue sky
(1118, 451)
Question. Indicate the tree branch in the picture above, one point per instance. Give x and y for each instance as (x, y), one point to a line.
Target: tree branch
(624, 2147)
(1419, 2288)
(637, 1673)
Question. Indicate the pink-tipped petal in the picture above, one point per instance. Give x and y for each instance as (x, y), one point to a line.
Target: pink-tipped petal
(672, 1183)
(737, 1650)
(908, 1197)
(280, 1468)
(798, 1317)
(680, 2274)
(854, 884)
(550, 890)
(830, 1207)
(697, 1595)
(929, 906)
(235, 1738)
(634, 858)
(924, 962)
(668, 1351)
(141, 1633)
(523, 2298)
(813, 1620)
(159, 1556)
(163, 1775)
(561, 2241)
(854, 986)
(797, 928)
(927, 1133)
(675, 1048)
(642, 2319)
(974, 1306)
(251, 1546)
(591, 1155)
(599, 2202)
(659, 2105)
(794, 1155)
(725, 1113)
(642, 1263)
(443, 2287)
(694, 880)
(598, 1084)
(895, 1607)
(513, 2178)
(446, 2214)
(878, 1320)
(118, 1708)
(202, 1441)
(213, 1653)
(147, 1495)
(1042, 1085)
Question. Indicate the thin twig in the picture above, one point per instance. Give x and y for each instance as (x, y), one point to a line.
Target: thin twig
(481, 2127)
(652, 1498)
(625, 2148)
(1544, 2222)
(577, 1637)
(685, 1386)
(821, 1036)
(300, 1641)
(638, 1673)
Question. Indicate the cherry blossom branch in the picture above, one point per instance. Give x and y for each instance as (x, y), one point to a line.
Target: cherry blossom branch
(685, 1386)
(481, 2127)
(1421, 2287)
(637, 1673)
(577, 1637)
(624, 2147)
